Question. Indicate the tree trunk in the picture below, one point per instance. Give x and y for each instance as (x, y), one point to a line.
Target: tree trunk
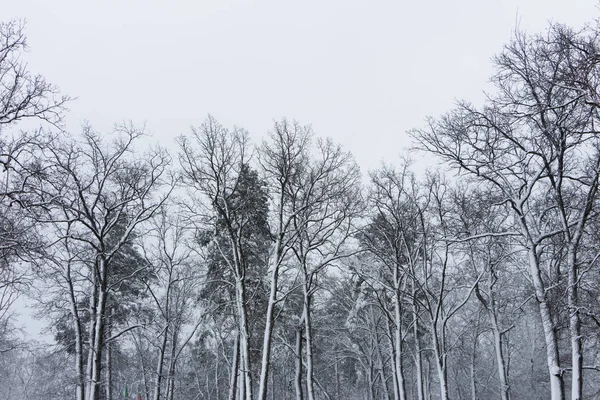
(93, 305)
(442, 376)
(159, 365)
(557, 391)
(575, 326)
(266, 351)
(217, 364)
(492, 311)
(440, 361)
(98, 334)
(310, 389)
(80, 388)
(243, 333)
(234, 369)
(98, 347)
(398, 339)
(473, 373)
(241, 381)
(173, 364)
(502, 370)
(337, 378)
(427, 382)
(109, 392)
(140, 354)
(370, 381)
(418, 361)
(380, 364)
(298, 376)
(272, 384)
(394, 365)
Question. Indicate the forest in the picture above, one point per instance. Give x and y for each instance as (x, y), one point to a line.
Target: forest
(234, 268)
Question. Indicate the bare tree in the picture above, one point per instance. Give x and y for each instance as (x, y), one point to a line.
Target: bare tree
(283, 160)
(178, 277)
(394, 240)
(535, 145)
(325, 211)
(22, 96)
(494, 255)
(95, 196)
(214, 161)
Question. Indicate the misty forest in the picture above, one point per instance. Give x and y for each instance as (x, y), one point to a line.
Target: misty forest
(224, 267)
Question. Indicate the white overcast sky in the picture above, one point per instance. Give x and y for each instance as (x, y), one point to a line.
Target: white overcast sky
(361, 72)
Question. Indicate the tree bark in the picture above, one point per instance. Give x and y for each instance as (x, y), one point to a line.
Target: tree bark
(310, 389)
(243, 326)
(399, 340)
(98, 334)
(298, 376)
(268, 333)
(557, 391)
(575, 325)
(394, 365)
(233, 383)
(440, 358)
(93, 305)
(109, 384)
(80, 388)
(380, 363)
(173, 364)
(160, 364)
(500, 363)
(418, 361)
(473, 371)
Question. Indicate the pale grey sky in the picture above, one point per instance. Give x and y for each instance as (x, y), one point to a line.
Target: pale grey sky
(361, 72)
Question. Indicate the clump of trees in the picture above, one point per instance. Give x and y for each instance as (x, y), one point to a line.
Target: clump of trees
(272, 270)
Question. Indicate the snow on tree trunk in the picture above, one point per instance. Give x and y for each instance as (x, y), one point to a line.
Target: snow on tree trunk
(298, 369)
(557, 391)
(244, 338)
(310, 389)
